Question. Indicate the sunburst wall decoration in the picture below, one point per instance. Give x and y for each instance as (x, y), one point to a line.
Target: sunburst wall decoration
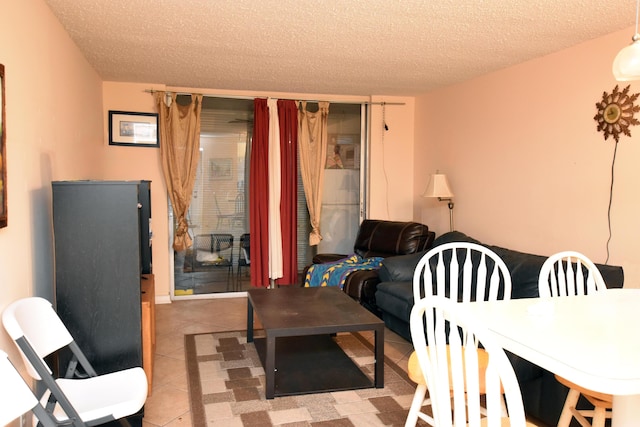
(615, 113)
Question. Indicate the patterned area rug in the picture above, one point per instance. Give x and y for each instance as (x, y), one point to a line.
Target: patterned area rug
(226, 386)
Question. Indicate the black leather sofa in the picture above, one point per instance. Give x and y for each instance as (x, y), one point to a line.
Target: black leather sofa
(378, 238)
(543, 396)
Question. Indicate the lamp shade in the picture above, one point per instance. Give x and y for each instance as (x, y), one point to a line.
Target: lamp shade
(626, 66)
(438, 187)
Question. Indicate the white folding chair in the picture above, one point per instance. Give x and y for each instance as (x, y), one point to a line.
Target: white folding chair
(451, 366)
(16, 398)
(566, 274)
(463, 272)
(81, 398)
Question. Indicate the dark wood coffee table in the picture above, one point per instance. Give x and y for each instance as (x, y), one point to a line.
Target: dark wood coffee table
(299, 324)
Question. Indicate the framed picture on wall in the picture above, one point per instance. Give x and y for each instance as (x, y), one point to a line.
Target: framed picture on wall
(3, 152)
(133, 129)
(342, 152)
(220, 169)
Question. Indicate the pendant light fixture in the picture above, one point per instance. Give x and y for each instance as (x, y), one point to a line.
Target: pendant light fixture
(626, 66)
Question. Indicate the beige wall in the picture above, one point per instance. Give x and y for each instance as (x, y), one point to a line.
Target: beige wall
(54, 132)
(391, 161)
(136, 163)
(528, 168)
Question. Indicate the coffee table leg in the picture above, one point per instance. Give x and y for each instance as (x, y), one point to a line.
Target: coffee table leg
(270, 367)
(249, 321)
(379, 349)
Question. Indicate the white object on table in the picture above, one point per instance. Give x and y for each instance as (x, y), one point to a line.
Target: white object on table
(591, 340)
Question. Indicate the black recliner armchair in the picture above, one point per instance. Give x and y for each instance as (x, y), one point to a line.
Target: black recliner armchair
(378, 238)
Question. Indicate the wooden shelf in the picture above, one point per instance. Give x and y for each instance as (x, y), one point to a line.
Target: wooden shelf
(148, 298)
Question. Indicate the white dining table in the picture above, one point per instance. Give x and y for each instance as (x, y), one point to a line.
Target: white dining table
(593, 341)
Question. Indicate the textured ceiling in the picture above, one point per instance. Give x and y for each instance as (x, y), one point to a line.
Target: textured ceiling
(351, 47)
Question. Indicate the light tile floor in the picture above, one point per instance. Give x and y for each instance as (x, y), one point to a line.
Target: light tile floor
(168, 404)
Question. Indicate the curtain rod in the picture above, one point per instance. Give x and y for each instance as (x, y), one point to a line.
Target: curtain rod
(289, 99)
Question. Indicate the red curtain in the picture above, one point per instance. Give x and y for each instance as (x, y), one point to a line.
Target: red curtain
(258, 195)
(288, 118)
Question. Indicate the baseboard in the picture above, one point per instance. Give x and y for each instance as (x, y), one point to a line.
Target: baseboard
(163, 299)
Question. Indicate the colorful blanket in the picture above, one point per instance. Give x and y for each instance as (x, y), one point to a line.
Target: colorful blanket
(335, 273)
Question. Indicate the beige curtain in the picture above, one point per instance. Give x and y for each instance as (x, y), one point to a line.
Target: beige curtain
(275, 228)
(312, 146)
(180, 154)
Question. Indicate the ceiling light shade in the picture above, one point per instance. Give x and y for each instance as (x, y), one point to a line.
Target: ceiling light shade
(438, 187)
(626, 66)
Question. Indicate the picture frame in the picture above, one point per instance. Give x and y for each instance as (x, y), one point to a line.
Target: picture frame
(220, 169)
(343, 152)
(133, 129)
(3, 152)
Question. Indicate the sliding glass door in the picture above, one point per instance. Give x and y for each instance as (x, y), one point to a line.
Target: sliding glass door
(341, 199)
(219, 211)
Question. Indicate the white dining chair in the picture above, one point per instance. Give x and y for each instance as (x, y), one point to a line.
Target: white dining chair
(569, 273)
(463, 272)
(82, 397)
(566, 274)
(463, 394)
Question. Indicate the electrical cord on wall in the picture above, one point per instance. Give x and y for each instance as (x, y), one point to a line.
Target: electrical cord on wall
(383, 129)
(613, 163)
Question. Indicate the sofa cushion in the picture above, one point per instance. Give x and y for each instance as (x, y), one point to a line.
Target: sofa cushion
(399, 268)
(378, 238)
(524, 270)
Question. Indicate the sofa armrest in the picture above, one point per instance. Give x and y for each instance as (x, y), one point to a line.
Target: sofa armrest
(361, 285)
(324, 258)
(613, 275)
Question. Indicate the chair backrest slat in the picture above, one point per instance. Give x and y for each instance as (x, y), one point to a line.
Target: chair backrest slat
(481, 273)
